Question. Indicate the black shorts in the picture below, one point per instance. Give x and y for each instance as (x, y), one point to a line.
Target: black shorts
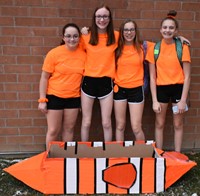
(57, 103)
(169, 92)
(131, 95)
(97, 87)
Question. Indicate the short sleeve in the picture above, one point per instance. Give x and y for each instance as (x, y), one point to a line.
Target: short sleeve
(150, 53)
(49, 62)
(186, 54)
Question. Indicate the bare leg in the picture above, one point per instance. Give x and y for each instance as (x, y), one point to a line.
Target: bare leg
(87, 105)
(159, 125)
(106, 105)
(120, 118)
(54, 123)
(136, 111)
(69, 122)
(178, 131)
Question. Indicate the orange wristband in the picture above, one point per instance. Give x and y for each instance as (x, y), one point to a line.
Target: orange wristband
(42, 100)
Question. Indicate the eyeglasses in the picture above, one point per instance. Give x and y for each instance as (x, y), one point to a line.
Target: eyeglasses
(68, 36)
(105, 17)
(127, 30)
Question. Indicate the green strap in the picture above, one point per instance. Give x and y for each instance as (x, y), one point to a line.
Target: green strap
(179, 49)
(157, 50)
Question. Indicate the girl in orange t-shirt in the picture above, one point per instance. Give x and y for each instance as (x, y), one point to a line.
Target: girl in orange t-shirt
(60, 84)
(100, 45)
(129, 81)
(169, 81)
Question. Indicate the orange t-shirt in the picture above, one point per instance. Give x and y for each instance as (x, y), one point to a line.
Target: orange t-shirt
(100, 59)
(130, 72)
(168, 68)
(130, 68)
(66, 68)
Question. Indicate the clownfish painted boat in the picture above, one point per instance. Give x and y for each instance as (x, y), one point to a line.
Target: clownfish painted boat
(101, 167)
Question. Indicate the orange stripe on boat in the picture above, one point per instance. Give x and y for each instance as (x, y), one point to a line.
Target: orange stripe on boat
(148, 175)
(86, 176)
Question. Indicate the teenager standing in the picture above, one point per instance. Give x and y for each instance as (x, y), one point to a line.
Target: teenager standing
(100, 45)
(169, 81)
(60, 85)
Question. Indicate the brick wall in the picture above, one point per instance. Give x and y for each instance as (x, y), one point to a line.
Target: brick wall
(30, 28)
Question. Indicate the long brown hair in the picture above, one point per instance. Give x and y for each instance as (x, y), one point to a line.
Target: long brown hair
(94, 29)
(121, 42)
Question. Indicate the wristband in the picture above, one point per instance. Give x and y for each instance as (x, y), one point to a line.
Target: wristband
(42, 100)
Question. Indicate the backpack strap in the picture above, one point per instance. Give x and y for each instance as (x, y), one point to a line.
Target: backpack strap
(144, 48)
(146, 69)
(157, 51)
(179, 49)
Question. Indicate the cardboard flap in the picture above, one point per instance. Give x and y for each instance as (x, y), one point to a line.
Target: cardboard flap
(110, 150)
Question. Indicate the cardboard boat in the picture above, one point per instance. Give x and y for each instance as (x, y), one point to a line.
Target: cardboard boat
(100, 168)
